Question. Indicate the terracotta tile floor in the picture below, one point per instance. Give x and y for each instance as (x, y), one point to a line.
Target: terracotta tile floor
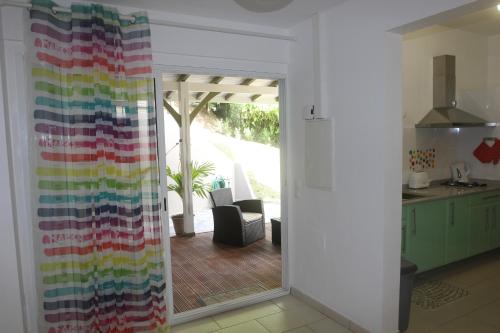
(477, 313)
(205, 272)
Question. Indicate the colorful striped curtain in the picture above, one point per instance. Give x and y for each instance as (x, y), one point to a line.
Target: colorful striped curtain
(98, 244)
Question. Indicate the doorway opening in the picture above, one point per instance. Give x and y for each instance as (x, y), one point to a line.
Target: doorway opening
(223, 167)
(450, 102)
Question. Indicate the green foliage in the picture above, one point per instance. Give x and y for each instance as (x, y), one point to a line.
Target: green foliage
(248, 122)
(262, 191)
(199, 173)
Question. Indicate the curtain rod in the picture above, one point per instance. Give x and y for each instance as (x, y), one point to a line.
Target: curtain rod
(169, 23)
(55, 9)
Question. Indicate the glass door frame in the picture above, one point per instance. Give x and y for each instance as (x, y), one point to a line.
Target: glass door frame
(178, 318)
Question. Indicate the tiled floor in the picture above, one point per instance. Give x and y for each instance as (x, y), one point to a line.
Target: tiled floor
(477, 313)
(284, 314)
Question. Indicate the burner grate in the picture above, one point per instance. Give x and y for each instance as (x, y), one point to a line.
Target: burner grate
(452, 183)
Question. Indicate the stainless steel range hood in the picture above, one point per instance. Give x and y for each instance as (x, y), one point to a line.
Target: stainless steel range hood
(445, 114)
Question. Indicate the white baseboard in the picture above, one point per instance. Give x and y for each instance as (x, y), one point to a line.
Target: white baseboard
(339, 318)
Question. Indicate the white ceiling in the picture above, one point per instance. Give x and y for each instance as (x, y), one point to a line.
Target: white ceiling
(484, 22)
(296, 12)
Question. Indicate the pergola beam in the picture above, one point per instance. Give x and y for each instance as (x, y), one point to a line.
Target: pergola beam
(202, 104)
(180, 78)
(173, 113)
(214, 80)
(192, 115)
(272, 84)
(241, 99)
(245, 82)
(223, 88)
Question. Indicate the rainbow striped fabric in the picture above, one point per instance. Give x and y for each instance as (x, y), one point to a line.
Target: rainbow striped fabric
(98, 243)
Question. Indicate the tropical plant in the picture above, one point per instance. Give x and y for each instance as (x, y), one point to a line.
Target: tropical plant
(248, 122)
(199, 173)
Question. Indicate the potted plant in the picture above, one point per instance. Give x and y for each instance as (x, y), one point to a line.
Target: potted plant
(199, 173)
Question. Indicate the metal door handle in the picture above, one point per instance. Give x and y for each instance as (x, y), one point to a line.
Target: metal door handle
(403, 239)
(414, 220)
(492, 197)
(494, 222)
(452, 213)
(487, 224)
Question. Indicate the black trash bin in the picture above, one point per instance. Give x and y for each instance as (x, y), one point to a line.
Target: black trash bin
(408, 270)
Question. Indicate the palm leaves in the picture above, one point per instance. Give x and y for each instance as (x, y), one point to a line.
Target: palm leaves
(198, 174)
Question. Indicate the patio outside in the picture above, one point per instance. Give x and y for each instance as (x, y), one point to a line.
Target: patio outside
(251, 169)
(234, 130)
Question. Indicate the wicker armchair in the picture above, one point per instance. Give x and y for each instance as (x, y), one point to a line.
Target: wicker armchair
(236, 223)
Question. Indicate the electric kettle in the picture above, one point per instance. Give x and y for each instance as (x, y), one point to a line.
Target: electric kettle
(460, 172)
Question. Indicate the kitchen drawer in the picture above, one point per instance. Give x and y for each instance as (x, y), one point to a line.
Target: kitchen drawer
(485, 198)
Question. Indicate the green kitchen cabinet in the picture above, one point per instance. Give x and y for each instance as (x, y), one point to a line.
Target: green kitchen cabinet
(485, 222)
(404, 229)
(439, 232)
(480, 239)
(495, 226)
(425, 241)
(457, 229)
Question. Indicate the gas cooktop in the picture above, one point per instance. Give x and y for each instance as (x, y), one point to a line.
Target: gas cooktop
(453, 183)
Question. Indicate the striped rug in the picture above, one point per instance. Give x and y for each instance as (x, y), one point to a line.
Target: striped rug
(203, 271)
(433, 294)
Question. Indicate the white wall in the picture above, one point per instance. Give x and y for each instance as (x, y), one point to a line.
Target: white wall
(11, 319)
(471, 51)
(478, 84)
(470, 138)
(345, 244)
(174, 49)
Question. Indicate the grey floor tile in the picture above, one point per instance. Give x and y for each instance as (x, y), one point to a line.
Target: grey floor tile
(248, 327)
(205, 325)
(328, 326)
(465, 325)
(232, 318)
(290, 319)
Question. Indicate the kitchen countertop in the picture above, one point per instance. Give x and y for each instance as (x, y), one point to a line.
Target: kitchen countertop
(437, 191)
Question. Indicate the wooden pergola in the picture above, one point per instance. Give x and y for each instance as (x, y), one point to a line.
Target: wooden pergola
(203, 89)
(196, 91)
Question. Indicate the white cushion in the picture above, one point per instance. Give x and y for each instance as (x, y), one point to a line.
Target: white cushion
(251, 217)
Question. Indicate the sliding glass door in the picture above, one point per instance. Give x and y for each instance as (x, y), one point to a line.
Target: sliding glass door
(223, 174)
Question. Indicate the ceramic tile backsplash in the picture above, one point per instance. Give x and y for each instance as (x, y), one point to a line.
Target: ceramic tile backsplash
(477, 91)
(441, 143)
(420, 159)
(468, 140)
(451, 145)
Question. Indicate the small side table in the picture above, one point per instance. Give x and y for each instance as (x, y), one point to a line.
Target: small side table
(276, 230)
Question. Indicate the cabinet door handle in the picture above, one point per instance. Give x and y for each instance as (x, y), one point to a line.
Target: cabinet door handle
(492, 197)
(494, 222)
(414, 220)
(452, 208)
(487, 224)
(403, 239)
